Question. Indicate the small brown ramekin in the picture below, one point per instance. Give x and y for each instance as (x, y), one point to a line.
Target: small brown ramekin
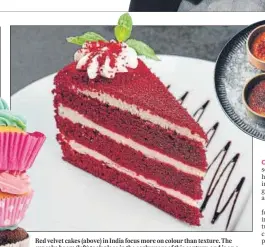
(259, 64)
(246, 93)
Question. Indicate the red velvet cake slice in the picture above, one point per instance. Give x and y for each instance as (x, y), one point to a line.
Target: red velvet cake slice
(118, 121)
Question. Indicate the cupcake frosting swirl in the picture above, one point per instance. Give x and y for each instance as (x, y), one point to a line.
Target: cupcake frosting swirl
(3, 105)
(8, 118)
(14, 184)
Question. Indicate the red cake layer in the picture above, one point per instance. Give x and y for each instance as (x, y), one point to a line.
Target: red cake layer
(139, 87)
(130, 126)
(145, 192)
(164, 174)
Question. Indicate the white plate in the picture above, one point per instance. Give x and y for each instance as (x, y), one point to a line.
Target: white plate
(68, 199)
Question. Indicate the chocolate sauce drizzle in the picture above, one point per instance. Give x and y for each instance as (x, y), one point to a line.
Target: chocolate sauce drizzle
(232, 163)
(212, 186)
(215, 178)
(183, 97)
(234, 194)
(199, 113)
(211, 133)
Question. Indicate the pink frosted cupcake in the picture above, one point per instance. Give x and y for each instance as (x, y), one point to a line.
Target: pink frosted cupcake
(15, 197)
(18, 150)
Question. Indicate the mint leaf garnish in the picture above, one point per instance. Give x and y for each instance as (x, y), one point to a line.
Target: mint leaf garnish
(125, 21)
(142, 49)
(121, 33)
(124, 28)
(89, 36)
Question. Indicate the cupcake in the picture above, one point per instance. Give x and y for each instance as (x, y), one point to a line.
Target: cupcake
(15, 197)
(14, 238)
(18, 150)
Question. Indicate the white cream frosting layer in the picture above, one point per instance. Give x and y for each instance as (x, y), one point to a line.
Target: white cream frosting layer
(106, 161)
(145, 115)
(75, 117)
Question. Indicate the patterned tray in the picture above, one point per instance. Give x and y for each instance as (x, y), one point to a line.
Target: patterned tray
(232, 71)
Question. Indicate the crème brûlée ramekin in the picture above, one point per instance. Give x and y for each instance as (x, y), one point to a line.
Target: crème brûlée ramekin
(252, 96)
(256, 47)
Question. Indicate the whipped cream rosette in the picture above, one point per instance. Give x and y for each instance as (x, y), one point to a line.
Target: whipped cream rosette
(105, 58)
